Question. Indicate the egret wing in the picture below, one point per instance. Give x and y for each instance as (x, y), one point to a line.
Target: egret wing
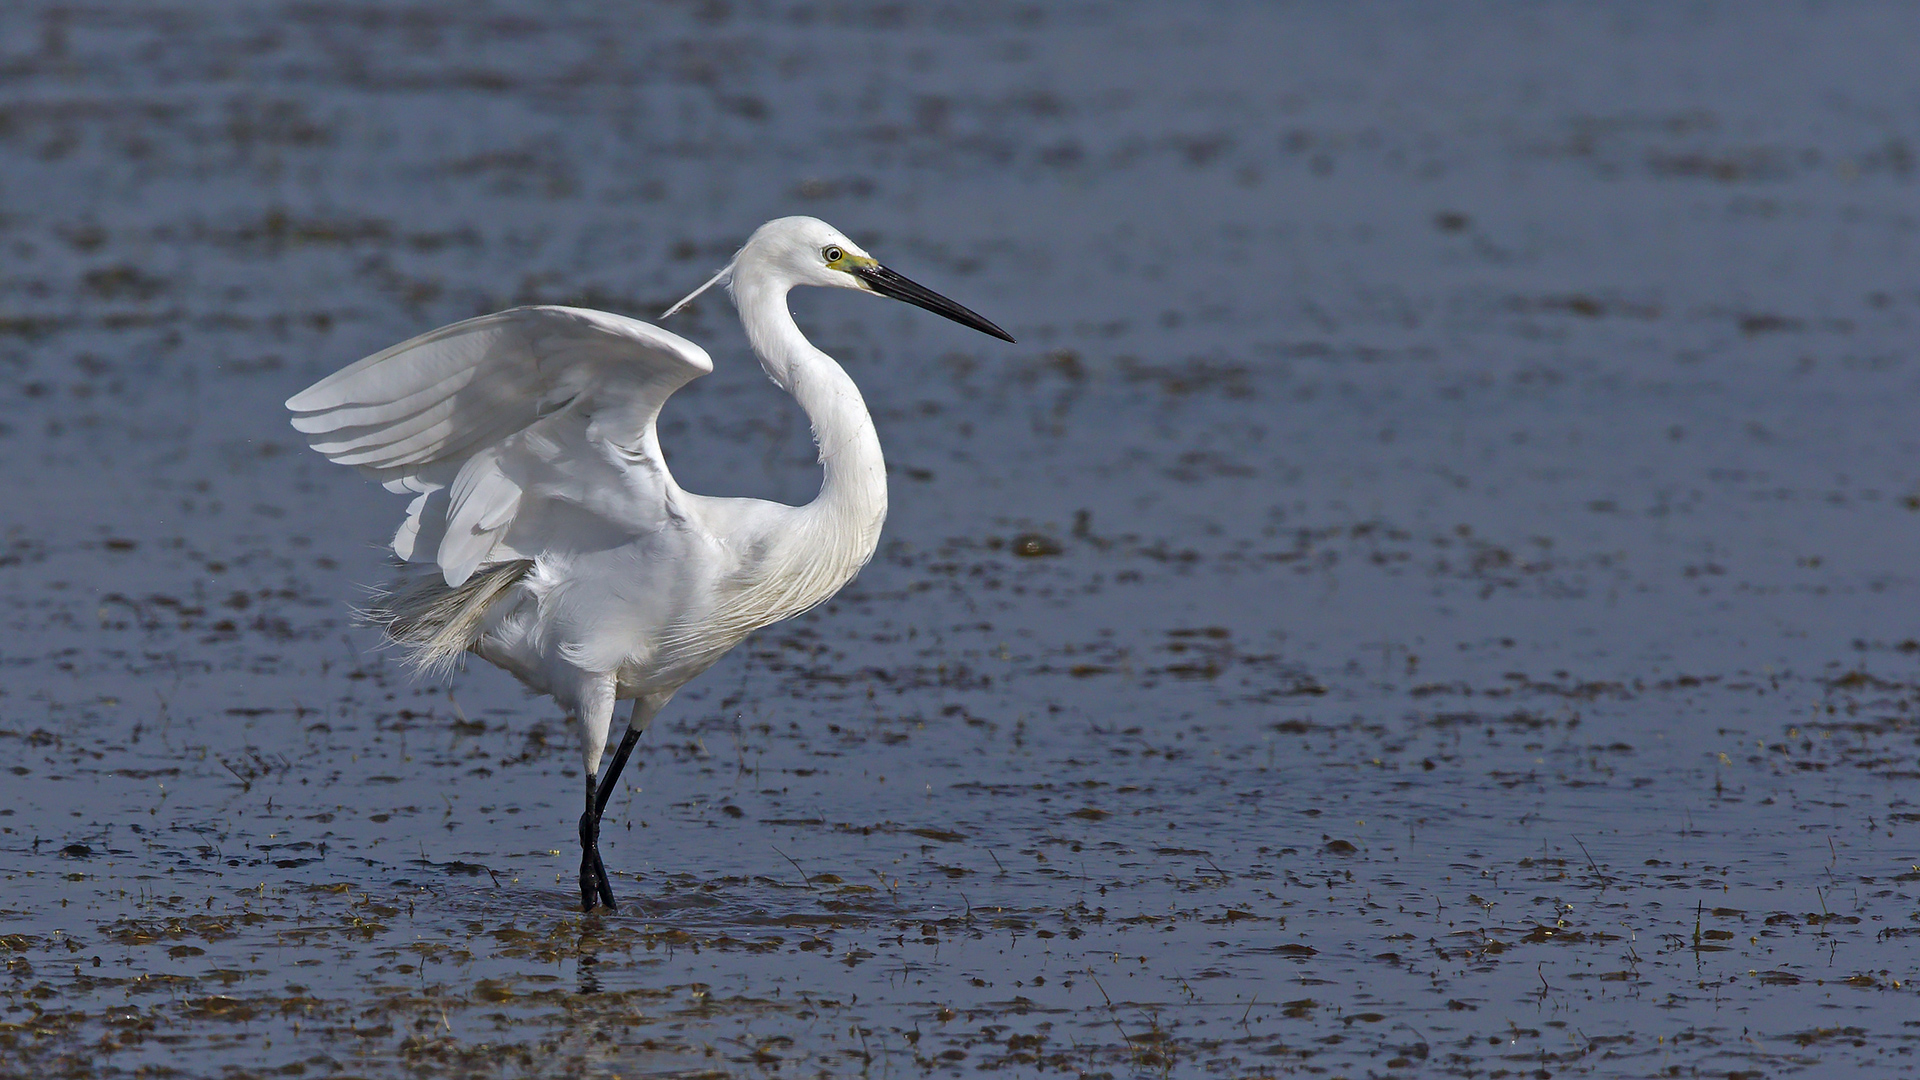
(466, 415)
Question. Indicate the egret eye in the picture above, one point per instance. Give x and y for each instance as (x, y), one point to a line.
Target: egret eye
(833, 254)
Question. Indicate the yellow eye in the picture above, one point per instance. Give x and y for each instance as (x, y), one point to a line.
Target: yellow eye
(833, 255)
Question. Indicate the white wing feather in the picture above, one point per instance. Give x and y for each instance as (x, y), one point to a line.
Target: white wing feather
(484, 417)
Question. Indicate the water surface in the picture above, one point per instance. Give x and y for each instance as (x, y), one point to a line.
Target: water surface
(1430, 593)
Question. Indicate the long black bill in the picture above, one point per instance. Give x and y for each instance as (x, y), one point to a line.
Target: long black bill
(887, 283)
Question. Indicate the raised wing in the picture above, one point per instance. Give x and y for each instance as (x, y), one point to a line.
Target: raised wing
(470, 415)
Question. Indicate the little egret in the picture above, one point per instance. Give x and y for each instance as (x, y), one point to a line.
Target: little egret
(546, 534)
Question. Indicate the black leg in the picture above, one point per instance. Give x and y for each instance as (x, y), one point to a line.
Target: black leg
(593, 872)
(590, 868)
(614, 768)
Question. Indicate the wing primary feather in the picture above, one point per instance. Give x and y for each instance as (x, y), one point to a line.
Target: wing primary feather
(361, 382)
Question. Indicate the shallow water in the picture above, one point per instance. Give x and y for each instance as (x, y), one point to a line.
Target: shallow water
(1428, 595)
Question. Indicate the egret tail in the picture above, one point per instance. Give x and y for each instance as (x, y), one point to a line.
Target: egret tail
(434, 623)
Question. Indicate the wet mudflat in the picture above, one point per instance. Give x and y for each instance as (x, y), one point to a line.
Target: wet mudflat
(1430, 594)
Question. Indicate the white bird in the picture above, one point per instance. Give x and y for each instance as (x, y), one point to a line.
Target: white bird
(546, 534)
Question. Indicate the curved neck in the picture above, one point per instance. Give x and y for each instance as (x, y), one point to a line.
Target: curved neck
(853, 494)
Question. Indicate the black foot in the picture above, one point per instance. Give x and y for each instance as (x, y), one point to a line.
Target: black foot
(593, 872)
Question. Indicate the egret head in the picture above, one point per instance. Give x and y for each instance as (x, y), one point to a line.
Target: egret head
(808, 251)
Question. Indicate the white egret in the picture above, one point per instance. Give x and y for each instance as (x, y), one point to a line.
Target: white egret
(545, 533)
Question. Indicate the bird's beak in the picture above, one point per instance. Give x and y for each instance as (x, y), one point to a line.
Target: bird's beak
(887, 283)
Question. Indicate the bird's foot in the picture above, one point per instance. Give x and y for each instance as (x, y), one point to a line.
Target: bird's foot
(593, 880)
(593, 872)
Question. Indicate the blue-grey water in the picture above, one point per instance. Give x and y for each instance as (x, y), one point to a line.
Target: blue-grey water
(1431, 593)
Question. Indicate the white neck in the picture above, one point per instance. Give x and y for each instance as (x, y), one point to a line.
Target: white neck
(842, 524)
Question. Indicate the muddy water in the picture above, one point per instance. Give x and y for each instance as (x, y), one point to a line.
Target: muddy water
(1430, 594)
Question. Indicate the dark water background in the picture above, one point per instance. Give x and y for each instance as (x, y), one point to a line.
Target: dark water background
(1431, 593)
